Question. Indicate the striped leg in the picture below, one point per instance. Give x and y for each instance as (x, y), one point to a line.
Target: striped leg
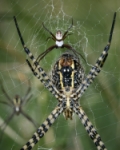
(41, 75)
(95, 70)
(43, 128)
(90, 129)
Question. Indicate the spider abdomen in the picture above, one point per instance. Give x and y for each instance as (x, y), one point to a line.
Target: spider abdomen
(67, 73)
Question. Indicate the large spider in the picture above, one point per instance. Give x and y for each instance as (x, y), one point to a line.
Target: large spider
(16, 104)
(68, 85)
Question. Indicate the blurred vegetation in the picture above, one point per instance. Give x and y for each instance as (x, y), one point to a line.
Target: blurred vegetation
(101, 102)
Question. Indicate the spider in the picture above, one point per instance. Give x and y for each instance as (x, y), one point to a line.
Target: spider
(59, 42)
(68, 84)
(16, 104)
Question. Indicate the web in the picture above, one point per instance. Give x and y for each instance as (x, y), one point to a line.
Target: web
(89, 35)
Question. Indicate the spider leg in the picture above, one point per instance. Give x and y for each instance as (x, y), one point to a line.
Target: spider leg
(19, 33)
(64, 37)
(73, 50)
(90, 129)
(6, 103)
(5, 93)
(4, 125)
(27, 93)
(65, 34)
(24, 101)
(45, 79)
(42, 55)
(95, 70)
(51, 38)
(42, 76)
(54, 38)
(112, 28)
(29, 118)
(43, 128)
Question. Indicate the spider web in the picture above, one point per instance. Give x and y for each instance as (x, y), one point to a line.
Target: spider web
(89, 35)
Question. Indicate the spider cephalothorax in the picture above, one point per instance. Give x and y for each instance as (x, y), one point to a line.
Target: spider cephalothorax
(67, 85)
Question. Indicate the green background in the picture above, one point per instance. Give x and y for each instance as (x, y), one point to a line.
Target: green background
(101, 102)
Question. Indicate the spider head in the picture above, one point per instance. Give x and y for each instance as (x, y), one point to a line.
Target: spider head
(59, 35)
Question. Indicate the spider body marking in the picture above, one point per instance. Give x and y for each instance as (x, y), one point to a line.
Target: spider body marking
(68, 84)
(67, 73)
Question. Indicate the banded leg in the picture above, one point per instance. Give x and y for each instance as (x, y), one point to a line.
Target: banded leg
(98, 65)
(43, 128)
(45, 79)
(90, 129)
(42, 76)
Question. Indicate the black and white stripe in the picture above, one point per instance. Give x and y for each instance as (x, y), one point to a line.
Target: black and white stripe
(90, 129)
(43, 128)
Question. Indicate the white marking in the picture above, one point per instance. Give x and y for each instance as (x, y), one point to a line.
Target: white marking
(59, 43)
(89, 124)
(101, 143)
(30, 54)
(17, 109)
(100, 58)
(52, 120)
(104, 52)
(68, 103)
(31, 140)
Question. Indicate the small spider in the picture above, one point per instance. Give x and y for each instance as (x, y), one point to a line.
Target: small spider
(16, 104)
(68, 84)
(59, 42)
